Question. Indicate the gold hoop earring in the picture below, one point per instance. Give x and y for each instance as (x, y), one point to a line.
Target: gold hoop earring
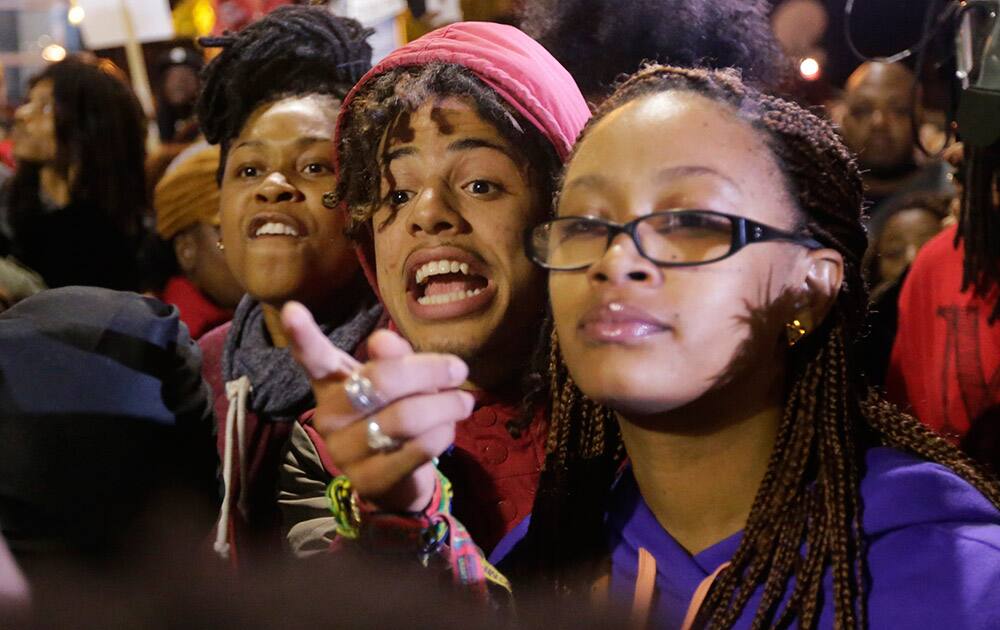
(795, 331)
(220, 246)
(330, 199)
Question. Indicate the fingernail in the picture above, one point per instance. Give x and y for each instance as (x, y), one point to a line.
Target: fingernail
(457, 370)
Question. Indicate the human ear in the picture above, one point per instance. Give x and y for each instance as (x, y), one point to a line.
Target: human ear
(186, 251)
(822, 277)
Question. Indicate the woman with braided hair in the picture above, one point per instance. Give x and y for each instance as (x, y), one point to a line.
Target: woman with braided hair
(270, 100)
(705, 292)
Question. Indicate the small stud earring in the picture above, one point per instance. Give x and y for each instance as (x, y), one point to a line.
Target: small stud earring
(330, 199)
(795, 331)
(220, 246)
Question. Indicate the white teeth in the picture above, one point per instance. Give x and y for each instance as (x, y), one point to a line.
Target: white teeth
(447, 298)
(277, 229)
(438, 267)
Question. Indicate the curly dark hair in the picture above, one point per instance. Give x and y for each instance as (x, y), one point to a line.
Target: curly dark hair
(400, 90)
(100, 130)
(599, 41)
(811, 491)
(294, 50)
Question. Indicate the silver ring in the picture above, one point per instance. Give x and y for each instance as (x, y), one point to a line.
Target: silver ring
(378, 441)
(362, 394)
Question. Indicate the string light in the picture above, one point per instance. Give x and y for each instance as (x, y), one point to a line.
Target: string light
(810, 69)
(76, 14)
(53, 52)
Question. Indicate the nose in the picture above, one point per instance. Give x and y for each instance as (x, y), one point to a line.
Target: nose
(277, 189)
(434, 213)
(22, 112)
(622, 264)
(879, 118)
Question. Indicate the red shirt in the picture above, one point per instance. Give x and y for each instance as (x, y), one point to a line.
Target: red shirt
(945, 362)
(197, 311)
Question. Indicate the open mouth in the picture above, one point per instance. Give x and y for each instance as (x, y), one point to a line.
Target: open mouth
(448, 282)
(272, 225)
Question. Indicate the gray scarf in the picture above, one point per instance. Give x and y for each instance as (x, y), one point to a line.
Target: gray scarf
(281, 390)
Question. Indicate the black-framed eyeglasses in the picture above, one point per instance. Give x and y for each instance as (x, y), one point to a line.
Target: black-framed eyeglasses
(672, 238)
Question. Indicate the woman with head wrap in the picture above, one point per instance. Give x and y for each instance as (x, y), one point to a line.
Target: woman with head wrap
(186, 200)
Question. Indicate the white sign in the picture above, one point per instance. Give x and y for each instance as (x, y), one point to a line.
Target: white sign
(105, 27)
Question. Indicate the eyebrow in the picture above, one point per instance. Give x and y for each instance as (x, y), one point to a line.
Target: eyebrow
(300, 142)
(599, 181)
(465, 144)
(695, 171)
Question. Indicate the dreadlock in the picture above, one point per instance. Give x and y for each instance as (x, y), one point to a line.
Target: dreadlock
(810, 492)
(979, 224)
(403, 90)
(294, 50)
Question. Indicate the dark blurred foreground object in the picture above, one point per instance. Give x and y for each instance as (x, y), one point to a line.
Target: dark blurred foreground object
(103, 414)
(599, 41)
(982, 442)
(74, 210)
(171, 590)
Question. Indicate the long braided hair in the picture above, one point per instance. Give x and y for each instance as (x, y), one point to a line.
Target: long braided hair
(810, 492)
(979, 224)
(292, 51)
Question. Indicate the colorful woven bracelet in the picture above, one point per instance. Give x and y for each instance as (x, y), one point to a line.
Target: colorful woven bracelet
(343, 503)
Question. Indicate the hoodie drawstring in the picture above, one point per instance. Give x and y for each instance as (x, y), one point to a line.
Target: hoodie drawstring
(236, 415)
(645, 584)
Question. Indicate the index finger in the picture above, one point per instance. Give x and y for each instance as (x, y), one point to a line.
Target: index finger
(310, 347)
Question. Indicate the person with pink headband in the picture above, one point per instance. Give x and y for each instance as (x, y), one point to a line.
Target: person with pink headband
(447, 151)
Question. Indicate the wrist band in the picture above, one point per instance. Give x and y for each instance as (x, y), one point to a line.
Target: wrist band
(422, 532)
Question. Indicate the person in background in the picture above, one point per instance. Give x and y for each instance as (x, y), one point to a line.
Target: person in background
(945, 362)
(270, 101)
(895, 237)
(177, 94)
(74, 211)
(877, 122)
(200, 283)
(599, 41)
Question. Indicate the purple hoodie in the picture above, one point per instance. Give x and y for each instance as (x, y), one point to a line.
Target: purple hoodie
(933, 551)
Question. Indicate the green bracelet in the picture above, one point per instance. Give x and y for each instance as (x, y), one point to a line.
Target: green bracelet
(344, 507)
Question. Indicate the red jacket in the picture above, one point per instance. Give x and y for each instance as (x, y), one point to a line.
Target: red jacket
(945, 362)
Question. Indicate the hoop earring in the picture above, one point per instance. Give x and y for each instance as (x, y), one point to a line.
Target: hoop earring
(330, 199)
(795, 331)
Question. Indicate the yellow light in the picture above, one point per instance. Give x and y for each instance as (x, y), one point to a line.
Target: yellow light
(53, 52)
(203, 16)
(76, 15)
(809, 69)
